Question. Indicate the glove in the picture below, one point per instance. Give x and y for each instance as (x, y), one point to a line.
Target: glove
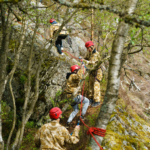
(50, 41)
(83, 65)
(80, 59)
(87, 62)
(87, 69)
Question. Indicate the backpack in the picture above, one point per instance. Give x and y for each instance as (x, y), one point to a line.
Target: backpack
(63, 33)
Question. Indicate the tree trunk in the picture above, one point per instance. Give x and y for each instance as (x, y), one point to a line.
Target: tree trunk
(111, 95)
(24, 28)
(3, 59)
(92, 25)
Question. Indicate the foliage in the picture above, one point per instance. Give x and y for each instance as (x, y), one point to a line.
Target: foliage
(30, 124)
(117, 130)
(23, 79)
(7, 114)
(58, 102)
(105, 24)
(28, 140)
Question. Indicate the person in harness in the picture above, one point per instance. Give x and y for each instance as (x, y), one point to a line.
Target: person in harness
(53, 135)
(62, 35)
(95, 76)
(73, 80)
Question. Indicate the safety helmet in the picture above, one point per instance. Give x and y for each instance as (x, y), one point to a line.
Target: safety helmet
(55, 113)
(74, 67)
(88, 44)
(52, 20)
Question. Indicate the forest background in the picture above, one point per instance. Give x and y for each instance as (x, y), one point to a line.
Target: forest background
(121, 31)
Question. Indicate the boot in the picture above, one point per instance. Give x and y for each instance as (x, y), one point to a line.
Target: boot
(82, 117)
(91, 101)
(96, 104)
(68, 124)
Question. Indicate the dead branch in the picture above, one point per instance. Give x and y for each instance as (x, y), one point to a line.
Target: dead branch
(141, 45)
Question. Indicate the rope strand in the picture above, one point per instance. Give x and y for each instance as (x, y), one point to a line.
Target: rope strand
(97, 131)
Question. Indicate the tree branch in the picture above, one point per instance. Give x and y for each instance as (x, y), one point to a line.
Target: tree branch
(141, 45)
(15, 14)
(128, 19)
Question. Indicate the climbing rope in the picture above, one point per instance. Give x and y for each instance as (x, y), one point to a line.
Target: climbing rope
(91, 130)
(71, 55)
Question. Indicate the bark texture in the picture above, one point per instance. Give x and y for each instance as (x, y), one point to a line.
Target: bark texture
(6, 28)
(111, 95)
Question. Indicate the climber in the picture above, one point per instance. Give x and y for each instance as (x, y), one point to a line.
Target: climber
(95, 76)
(53, 135)
(62, 35)
(73, 80)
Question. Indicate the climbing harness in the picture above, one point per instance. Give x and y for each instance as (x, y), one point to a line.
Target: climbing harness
(91, 130)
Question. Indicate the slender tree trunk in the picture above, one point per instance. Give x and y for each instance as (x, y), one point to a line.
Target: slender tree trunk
(92, 25)
(24, 28)
(6, 28)
(27, 94)
(111, 95)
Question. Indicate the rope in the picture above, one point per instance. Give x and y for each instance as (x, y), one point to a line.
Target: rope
(91, 130)
(94, 130)
(71, 55)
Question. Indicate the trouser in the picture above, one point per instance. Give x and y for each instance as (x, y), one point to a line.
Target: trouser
(76, 108)
(58, 44)
(94, 86)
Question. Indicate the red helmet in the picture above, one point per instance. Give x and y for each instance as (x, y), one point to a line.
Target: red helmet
(52, 20)
(55, 113)
(88, 44)
(74, 67)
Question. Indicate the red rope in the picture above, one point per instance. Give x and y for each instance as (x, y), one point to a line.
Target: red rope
(70, 54)
(97, 131)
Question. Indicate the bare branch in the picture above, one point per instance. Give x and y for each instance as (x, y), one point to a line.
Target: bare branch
(15, 14)
(141, 45)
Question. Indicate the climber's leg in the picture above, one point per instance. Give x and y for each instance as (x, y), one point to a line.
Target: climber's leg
(61, 44)
(97, 93)
(91, 84)
(73, 114)
(77, 101)
(86, 104)
(58, 45)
